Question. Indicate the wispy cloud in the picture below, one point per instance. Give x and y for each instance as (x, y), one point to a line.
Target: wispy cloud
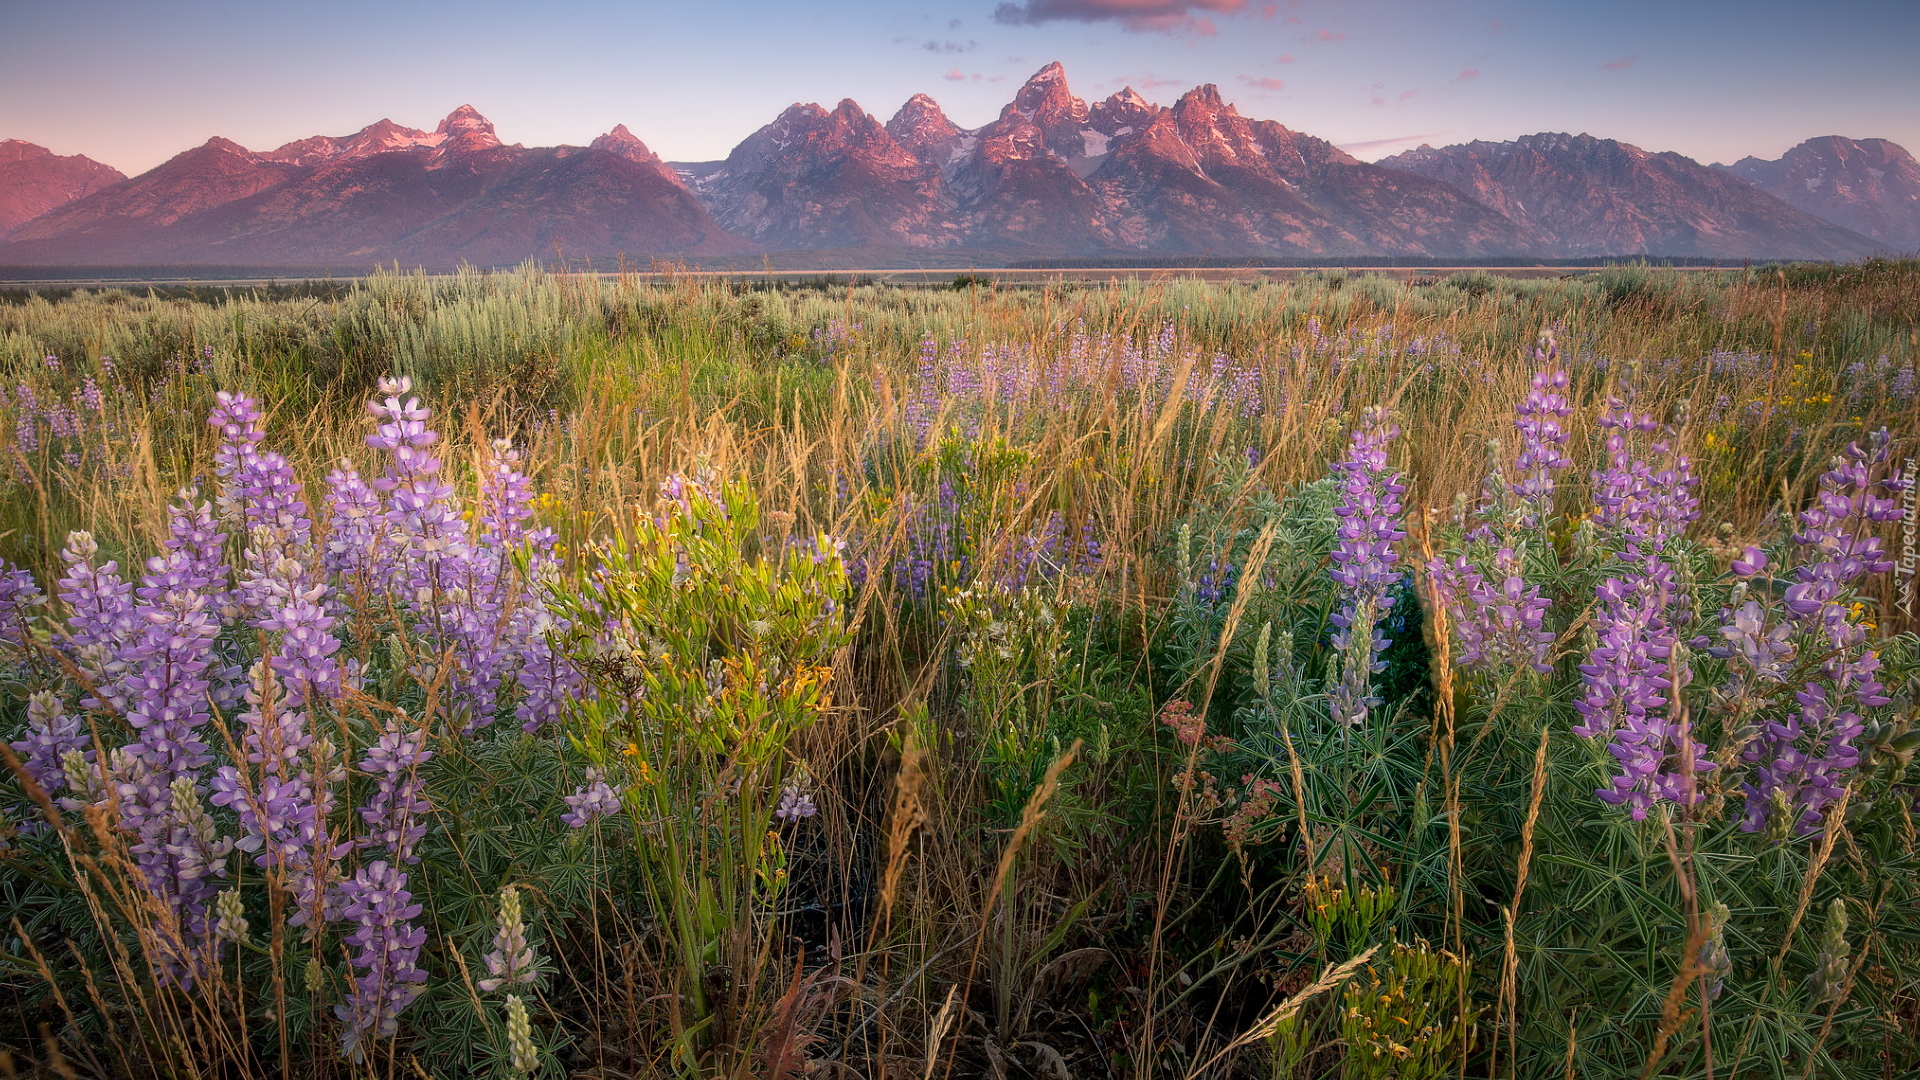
(1621, 64)
(1139, 16)
(1382, 144)
(1409, 95)
(1468, 75)
(1324, 36)
(950, 46)
(1260, 83)
(1284, 58)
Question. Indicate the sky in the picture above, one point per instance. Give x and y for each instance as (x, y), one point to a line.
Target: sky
(132, 83)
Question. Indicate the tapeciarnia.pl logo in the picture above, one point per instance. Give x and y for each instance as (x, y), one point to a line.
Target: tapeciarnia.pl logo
(1909, 559)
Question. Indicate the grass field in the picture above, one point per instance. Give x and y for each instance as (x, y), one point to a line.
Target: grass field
(1318, 675)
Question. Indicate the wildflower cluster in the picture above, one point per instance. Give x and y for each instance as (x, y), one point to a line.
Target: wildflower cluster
(1363, 563)
(164, 658)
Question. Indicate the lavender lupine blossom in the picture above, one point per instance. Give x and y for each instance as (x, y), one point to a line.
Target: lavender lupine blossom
(100, 621)
(794, 804)
(1542, 441)
(166, 693)
(355, 549)
(1802, 763)
(450, 586)
(1499, 624)
(275, 801)
(52, 732)
(591, 800)
(376, 897)
(1364, 557)
(394, 814)
(1636, 670)
(18, 597)
(258, 489)
(386, 943)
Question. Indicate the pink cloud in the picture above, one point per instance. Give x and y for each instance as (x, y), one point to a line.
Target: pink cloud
(1285, 58)
(1621, 64)
(1268, 11)
(1291, 20)
(1468, 75)
(955, 75)
(1493, 27)
(1326, 35)
(1379, 101)
(1262, 83)
(1409, 95)
(1139, 16)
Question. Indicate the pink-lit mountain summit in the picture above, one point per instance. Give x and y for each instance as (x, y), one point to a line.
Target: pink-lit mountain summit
(1052, 175)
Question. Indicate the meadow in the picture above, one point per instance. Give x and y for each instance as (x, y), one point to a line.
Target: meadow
(526, 675)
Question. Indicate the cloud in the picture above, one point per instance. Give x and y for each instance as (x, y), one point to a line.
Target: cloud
(955, 75)
(1379, 101)
(1262, 83)
(1381, 144)
(1138, 16)
(1284, 58)
(1621, 64)
(950, 46)
(1468, 75)
(953, 24)
(1494, 27)
(1409, 95)
(1324, 36)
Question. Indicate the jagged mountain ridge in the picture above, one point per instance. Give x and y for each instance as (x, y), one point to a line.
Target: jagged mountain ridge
(1055, 174)
(34, 180)
(386, 192)
(1871, 186)
(1052, 174)
(1578, 195)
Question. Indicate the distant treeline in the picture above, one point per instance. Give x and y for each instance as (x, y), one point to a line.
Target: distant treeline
(1210, 262)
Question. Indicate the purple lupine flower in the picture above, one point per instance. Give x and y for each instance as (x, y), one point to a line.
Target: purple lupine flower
(275, 805)
(794, 804)
(1364, 557)
(1802, 763)
(1636, 670)
(100, 620)
(19, 595)
(549, 681)
(52, 732)
(258, 489)
(591, 800)
(395, 813)
(1756, 652)
(451, 585)
(1542, 441)
(1498, 626)
(354, 548)
(387, 952)
(1752, 564)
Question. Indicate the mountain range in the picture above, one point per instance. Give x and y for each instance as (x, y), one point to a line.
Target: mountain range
(1052, 175)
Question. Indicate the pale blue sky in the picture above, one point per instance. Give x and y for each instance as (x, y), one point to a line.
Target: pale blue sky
(131, 83)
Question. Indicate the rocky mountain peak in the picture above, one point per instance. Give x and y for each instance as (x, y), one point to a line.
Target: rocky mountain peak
(466, 129)
(1203, 100)
(1046, 100)
(226, 146)
(20, 150)
(624, 143)
(1871, 186)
